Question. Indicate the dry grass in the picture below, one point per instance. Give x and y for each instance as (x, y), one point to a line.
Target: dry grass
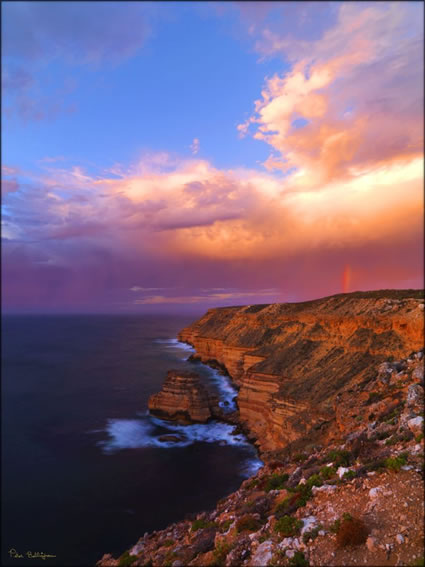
(351, 531)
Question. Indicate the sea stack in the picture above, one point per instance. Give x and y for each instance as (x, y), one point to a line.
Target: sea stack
(183, 398)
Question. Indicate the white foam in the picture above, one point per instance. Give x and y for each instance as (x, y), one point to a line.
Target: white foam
(147, 430)
(251, 466)
(212, 432)
(175, 343)
(223, 383)
(227, 391)
(127, 434)
(143, 432)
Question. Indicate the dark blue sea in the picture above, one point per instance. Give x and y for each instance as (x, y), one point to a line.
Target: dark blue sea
(84, 472)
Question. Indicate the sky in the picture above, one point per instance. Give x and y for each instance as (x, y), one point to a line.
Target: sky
(177, 156)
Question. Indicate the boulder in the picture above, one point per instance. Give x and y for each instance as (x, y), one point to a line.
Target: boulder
(418, 373)
(415, 395)
(263, 554)
(416, 425)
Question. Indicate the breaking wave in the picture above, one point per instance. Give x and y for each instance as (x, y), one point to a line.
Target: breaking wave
(148, 431)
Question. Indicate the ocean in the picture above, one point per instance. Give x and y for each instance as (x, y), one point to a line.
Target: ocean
(84, 471)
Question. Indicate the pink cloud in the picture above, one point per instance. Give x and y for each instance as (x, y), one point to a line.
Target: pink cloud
(9, 186)
(190, 226)
(359, 87)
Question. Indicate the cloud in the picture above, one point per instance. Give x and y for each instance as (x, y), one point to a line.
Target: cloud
(348, 127)
(52, 159)
(194, 147)
(343, 186)
(184, 224)
(137, 288)
(213, 297)
(9, 186)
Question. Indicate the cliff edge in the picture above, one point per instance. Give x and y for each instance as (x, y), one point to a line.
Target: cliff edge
(333, 392)
(294, 362)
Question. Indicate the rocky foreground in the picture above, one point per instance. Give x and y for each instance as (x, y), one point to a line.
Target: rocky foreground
(331, 391)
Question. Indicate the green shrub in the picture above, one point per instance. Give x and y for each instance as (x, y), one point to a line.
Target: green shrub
(327, 472)
(288, 526)
(349, 475)
(299, 458)
(168, 543)
(126, 559)
(340, 458)
(419, 437)
(201, 524)
(276, 482)
(314, 480)
(395, 463)
(298, 560)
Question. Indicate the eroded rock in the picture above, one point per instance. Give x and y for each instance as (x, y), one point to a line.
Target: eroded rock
(183, 398)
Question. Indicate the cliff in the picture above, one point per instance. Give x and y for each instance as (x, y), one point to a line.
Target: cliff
(295, 362)
(354, 501)
(332, 390)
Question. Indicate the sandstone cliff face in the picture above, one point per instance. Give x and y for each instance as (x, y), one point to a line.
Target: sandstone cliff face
(355, 501)
(183, 398)
(293, 362)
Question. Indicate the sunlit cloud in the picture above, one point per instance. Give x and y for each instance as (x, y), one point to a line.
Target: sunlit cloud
(347, 125)
(340, 195)
(205, 298)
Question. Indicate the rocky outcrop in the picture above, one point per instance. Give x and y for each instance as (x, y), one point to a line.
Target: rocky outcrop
(183, 398)
(333, 391)
(292, 361)
(355, 501)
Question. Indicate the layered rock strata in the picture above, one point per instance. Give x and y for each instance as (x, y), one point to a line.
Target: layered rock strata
(184, 398)
(292, 362)
(297, 508)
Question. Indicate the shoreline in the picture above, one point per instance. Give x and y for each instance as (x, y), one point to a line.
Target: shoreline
(222, 371)
(360, 458)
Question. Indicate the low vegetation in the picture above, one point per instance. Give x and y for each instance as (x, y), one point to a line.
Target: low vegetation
(351, 531)
(395, 463)
(202, 524)
(276, 482)
(126, 559)
(288, 526)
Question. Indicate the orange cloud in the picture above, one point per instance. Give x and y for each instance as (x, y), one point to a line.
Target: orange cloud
(359, 88)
